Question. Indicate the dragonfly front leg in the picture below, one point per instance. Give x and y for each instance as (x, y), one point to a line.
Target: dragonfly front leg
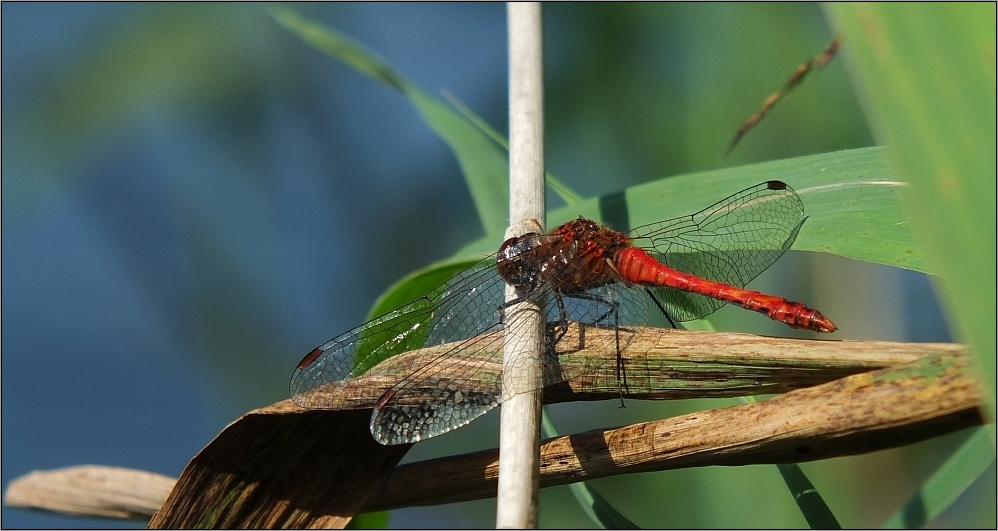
(613, 308)
(502, 308)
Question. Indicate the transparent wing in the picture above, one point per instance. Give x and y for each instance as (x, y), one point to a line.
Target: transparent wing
(731, 241)
(443, 389)
(463, 383)
(446, 390)
(453, 340)
(430, 320)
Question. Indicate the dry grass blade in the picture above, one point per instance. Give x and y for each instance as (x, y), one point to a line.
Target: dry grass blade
(283, 466)
(663, 363)
(91, 490)
(815, 63)
(858, 414)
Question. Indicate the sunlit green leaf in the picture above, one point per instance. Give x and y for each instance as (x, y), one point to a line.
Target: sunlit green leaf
(419, 283)
(850, 197)
(378, 520)
(400, 316)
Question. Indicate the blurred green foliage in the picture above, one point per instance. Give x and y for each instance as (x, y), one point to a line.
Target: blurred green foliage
(928, 73)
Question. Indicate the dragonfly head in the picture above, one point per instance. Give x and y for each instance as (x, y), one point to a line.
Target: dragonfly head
(515, 262)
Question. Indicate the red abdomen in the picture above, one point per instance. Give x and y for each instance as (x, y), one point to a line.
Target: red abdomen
(638, 267)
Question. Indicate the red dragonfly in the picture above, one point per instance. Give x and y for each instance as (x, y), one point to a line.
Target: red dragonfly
(579, 272)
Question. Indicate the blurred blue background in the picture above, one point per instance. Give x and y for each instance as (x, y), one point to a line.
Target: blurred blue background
(194, 198)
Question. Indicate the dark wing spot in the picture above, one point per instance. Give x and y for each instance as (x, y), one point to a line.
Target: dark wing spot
(309, 358)
(776, 185)
(389, 394)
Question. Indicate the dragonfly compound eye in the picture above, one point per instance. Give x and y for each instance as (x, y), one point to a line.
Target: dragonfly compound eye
(513, 264)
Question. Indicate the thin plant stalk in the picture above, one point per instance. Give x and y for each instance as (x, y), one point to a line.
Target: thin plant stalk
(519, 440)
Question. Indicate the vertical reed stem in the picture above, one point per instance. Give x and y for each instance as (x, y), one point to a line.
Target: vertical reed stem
(519, 441)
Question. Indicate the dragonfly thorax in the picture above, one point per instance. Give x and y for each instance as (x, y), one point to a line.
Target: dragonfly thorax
(573, 258)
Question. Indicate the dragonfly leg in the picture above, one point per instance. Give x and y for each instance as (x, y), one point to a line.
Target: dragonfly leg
(661, 307)
(562, 317)
(613, 308)
(502, 307)
(621, 374)
(555, 330)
